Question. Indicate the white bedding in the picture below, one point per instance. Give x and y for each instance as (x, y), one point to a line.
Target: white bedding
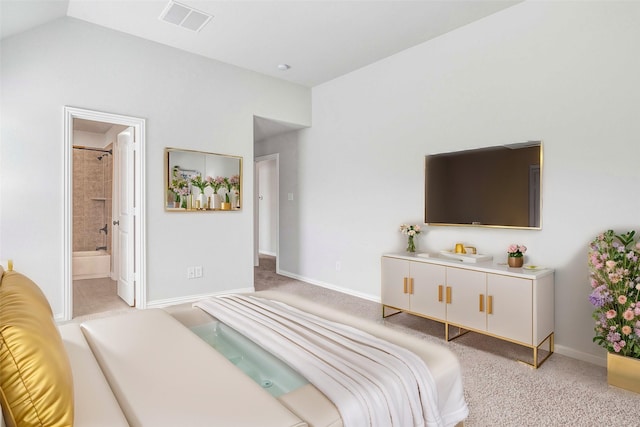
(371, 381)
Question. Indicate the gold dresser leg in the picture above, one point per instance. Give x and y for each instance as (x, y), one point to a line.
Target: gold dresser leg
(536, 364)
(396, 311)
(447, 335)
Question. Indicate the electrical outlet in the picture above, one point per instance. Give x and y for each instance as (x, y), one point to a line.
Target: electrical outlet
(338, 265)
(198, 271)
(191, 273)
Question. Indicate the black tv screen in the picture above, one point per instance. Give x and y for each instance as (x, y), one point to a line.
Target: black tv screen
(494, 187)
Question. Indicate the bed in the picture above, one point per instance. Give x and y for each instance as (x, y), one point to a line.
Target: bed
(314, 406)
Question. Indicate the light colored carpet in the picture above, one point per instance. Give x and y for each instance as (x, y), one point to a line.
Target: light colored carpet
(499, 390)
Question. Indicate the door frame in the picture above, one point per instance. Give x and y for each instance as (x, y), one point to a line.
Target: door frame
(256, 212)
(139, 255)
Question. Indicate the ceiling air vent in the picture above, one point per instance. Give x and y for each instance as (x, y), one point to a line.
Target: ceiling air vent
(184, 16)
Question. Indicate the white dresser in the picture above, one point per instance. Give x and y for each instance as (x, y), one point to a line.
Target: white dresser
(512, 304)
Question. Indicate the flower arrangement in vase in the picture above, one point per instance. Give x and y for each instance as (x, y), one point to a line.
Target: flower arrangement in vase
(234, 181)
(198, 182)
(226, 205)
(515, 255)
(410, 231)
(614, 269)
(215, 184)
(180, 188)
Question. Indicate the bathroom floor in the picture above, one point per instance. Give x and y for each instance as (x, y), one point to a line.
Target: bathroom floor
(92, 296)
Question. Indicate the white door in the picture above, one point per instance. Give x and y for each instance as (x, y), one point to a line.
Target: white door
(124, 215)
(267, 207)
(265, 218)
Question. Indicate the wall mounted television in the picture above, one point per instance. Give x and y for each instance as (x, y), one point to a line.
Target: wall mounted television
(490, 187)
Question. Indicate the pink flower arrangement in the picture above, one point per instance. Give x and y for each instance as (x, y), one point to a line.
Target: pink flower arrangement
(615, 290)
(183, 191)
(230, 184)
(234, 181)
(197, 181)
(215, 183)
(516, 251)
(179, 186)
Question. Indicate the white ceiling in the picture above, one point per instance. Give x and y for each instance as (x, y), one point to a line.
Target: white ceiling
(320, 40)
(267, 128)
(91, 126)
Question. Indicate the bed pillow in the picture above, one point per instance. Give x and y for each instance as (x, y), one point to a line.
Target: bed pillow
(36, 386)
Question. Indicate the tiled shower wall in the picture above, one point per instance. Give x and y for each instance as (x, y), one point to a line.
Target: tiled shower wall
(92, 187)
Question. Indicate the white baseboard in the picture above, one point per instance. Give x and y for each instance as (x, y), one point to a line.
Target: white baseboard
(267, 253)
(580, 355)
(368, 297)
(193, 298)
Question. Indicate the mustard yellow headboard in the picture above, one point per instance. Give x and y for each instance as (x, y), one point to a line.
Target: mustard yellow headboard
(36, 386)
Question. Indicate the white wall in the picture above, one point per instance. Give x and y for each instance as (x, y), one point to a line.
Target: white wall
(563, 72)
(188, 102)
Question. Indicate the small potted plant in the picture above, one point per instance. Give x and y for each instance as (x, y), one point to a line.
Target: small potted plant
(226, 205)
(515, 255)
(410, 231)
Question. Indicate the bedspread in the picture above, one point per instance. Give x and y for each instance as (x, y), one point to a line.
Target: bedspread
(372, 382)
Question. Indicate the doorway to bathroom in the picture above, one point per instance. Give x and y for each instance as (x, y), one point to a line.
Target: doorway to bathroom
(104, 221)
(93, 251)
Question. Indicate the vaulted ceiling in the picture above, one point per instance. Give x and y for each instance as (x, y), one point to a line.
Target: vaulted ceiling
(320, 40)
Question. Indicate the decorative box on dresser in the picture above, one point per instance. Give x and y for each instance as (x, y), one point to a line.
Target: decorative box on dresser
(513, 304)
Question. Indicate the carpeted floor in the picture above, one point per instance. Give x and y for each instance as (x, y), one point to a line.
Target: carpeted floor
(499, 390)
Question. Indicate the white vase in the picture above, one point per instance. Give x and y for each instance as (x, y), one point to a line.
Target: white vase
(215, 201)
(201, 201)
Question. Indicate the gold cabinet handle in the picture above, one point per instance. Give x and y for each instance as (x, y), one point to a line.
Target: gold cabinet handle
(489, 304)
(411, 285)
(439, 293)
(448, 294)
(481, 308)
(405, 285)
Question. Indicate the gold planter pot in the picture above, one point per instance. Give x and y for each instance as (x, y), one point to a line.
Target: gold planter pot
(623, 372)
(225, 206)
(515, 261)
